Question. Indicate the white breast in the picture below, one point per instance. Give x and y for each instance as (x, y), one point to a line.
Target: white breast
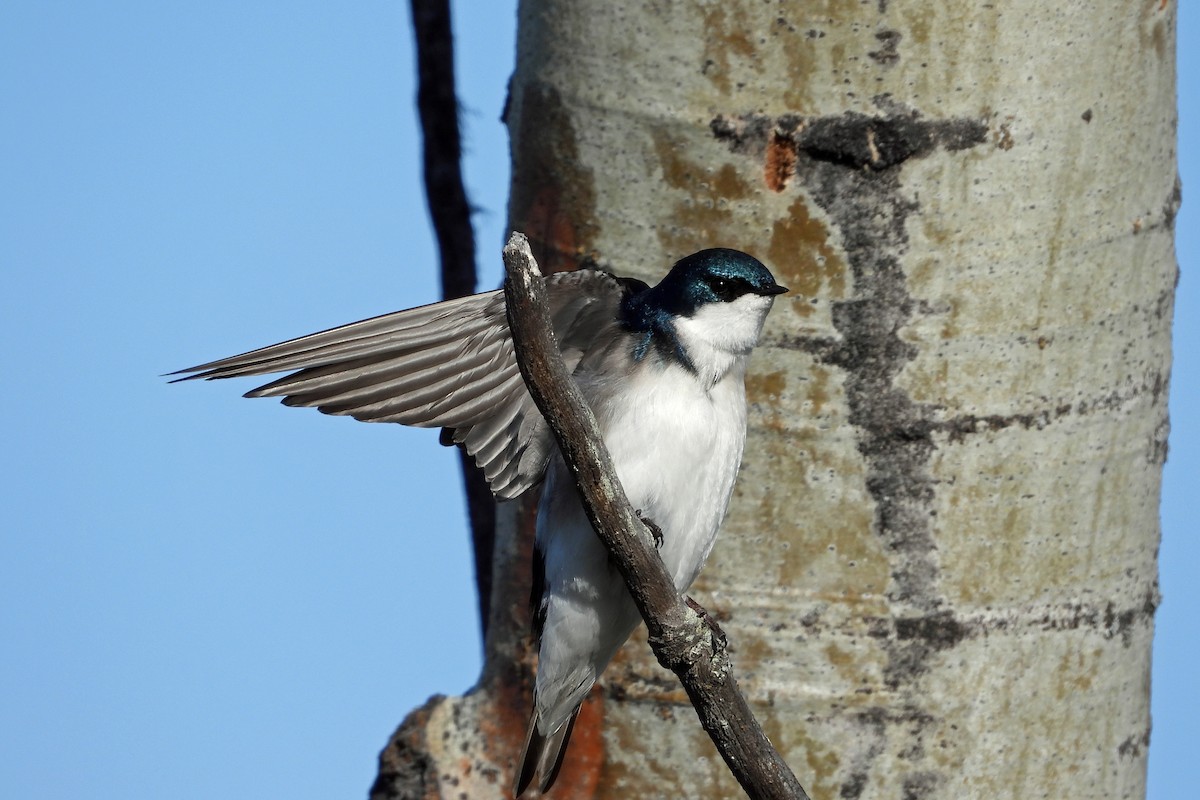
(677, 447)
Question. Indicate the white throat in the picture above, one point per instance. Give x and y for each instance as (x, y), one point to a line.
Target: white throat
(719, 337)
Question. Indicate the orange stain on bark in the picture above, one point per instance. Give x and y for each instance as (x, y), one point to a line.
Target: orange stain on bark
(780, 164)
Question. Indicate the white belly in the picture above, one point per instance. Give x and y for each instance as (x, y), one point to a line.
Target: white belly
(676, 449)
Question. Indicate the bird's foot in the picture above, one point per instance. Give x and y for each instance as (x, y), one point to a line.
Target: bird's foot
(655, 531)
(720, 641)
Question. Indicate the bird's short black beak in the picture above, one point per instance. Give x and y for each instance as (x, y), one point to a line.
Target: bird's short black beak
(773, 289)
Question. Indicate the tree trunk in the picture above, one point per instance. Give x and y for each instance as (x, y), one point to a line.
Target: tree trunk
(938, 574)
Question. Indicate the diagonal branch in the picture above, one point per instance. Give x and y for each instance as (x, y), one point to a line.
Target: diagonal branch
(450, 213)
(684, 639)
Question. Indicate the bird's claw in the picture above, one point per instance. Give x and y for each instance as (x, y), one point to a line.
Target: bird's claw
(655, 531)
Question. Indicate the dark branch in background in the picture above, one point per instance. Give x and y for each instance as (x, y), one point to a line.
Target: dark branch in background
(685, 640)
(450, 213)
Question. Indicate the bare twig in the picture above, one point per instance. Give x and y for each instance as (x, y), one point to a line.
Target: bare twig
(683, 638)
(450, 212)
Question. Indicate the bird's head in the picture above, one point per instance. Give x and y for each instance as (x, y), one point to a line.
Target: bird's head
(716, 276)
(711, 306)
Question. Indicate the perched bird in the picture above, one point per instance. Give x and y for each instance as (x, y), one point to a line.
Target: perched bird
(663, 370)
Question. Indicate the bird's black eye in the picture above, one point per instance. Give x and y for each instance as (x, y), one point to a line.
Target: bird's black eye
(725, 289)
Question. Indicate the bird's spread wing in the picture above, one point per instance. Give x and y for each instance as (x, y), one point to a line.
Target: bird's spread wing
(448, 365)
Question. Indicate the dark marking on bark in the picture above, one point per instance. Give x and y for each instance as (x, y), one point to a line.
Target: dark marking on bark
(887, 54)
(1172, 203)
(748, 134)
(1122, 622)
(940, 631)
(853, 787)
(857, 140)
(920, 785)
(874, 724)
(849, 165)
(960, 426)
(853, 139)
(963, 425)
(1160, 442)
(869, 209)
(1133, 746)
(820, 347)
(943, 630)
(1164, 305)
(1109, 621)
(910, 641)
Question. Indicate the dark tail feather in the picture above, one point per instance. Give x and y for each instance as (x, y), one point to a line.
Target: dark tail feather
(543, 755)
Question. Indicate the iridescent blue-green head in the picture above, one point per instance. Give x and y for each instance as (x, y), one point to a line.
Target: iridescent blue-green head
(718, 296)
(719, 275)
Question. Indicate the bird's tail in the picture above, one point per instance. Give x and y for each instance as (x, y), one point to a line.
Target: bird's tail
(543, 755)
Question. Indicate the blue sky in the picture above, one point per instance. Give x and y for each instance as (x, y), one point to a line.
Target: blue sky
(206, 597)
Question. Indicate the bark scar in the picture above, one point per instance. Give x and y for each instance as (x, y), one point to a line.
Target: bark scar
(850, 165)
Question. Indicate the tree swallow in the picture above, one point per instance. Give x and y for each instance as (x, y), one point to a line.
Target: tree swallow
(663, 370)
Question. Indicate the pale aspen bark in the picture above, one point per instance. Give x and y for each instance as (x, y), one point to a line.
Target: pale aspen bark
(938, 575)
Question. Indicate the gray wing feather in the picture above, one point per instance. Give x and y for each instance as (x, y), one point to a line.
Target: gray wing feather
(448, 365)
